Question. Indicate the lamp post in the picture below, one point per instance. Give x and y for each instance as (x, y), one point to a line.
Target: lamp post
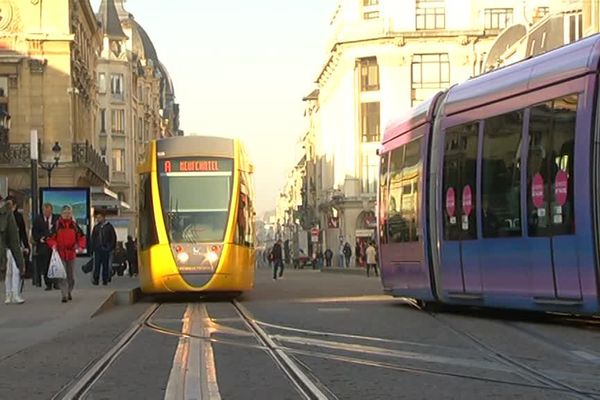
(48, 167)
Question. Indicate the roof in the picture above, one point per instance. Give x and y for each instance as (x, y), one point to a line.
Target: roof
(314, 95)
(148, 46)
(565, 63)
(417, 116)
(109, 18)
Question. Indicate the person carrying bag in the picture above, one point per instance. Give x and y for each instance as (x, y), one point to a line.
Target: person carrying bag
(66, 240)
(12, 264)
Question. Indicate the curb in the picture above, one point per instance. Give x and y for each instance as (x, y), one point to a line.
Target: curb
(348, 271)
(119, 298)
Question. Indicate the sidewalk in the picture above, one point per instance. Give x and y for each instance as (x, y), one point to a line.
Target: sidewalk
(43, 316)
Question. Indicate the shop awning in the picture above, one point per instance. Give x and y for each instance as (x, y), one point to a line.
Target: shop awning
(102, 197)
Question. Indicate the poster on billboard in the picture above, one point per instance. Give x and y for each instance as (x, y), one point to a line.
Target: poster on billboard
(79, 200)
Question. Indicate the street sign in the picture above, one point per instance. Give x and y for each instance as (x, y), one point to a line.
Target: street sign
(314, 235)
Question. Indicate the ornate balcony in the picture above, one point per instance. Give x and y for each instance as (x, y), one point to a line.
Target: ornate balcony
(84, 154)
(16, 155)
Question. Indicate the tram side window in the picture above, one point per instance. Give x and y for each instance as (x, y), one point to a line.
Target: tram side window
(501, 175)
(459, 178)
(403, 207)
(384, 190)
(550, 167)
(147, 226)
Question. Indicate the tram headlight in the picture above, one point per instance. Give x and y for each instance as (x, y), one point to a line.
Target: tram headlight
(212, 257)
(183, 257)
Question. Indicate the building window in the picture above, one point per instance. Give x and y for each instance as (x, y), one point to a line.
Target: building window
(430, 14)
(574, 27)
(103, 120)
(430, 73)
(539, 13)
(116, 85)
(370, 125)
(369, 74)
(117, 121)
(550, 173)
(501, 175)
(498, 18)
(370, 9)
(102, 83)
(370, 170)
(118, 160)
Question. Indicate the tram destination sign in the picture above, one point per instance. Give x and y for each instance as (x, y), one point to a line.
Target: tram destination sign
(195, 165)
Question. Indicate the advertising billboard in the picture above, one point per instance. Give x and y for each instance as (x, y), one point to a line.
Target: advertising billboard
(79, 200)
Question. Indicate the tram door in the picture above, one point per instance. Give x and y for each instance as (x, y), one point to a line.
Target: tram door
(550, 205)
(461, 272)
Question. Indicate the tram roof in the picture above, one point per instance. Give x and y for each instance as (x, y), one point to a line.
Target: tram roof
(417, 116)
(562, 64)
(182, 146)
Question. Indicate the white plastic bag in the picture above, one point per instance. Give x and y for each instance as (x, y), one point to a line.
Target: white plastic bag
(56, 269)
(13, 275)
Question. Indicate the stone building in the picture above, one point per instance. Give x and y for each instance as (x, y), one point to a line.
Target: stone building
(386, 57)
(137, 104)
(48, 62)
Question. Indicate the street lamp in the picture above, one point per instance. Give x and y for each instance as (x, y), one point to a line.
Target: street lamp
(48, 167)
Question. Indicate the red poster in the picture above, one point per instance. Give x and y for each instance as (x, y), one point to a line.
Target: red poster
(450, 202)
(467, 200)
(560, 187)
(537, 191)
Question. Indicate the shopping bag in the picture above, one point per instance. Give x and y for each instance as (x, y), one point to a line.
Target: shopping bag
(88, 266)
(11, 265)
(56, 269)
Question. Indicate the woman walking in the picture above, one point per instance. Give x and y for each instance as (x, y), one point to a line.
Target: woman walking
(67, 238)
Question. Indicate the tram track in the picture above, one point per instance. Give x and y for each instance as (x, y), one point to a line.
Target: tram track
(81, 385)
(532, 374)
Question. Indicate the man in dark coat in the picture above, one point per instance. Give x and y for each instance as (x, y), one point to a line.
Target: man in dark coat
(9, 240)
(41, 229)
(104, 242)
(277, 257)
(23, 239)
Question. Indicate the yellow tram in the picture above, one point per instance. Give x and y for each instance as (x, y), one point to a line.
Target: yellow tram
(196, 216)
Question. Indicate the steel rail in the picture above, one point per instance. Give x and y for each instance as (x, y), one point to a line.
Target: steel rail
(77, 389)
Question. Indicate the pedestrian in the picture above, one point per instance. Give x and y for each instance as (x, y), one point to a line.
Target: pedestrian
(277, 258)
(347, 254)
(287, 252)
(104, 241)
(12, 264)
(341, 255)
(132, 258)
(23, 239)
(371, 259)
(68, 239)
(41, 229)
(358, 254)
(328, 257)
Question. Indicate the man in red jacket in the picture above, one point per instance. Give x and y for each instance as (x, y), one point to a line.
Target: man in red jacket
(67, 237)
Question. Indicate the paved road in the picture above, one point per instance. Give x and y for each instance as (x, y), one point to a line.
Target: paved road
(332, 335)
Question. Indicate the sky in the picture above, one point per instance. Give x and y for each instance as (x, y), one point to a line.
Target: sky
(240, 69)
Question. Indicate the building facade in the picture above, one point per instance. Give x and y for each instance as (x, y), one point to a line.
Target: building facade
(136, 104)
(48, 64)
(386, 57)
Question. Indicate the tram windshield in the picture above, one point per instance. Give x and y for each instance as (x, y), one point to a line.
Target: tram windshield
(195, 195)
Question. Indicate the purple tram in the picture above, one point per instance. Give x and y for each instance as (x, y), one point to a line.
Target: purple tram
(489, 191)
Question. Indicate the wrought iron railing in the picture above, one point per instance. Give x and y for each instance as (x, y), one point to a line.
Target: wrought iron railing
(16, 155)
(84, 154)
